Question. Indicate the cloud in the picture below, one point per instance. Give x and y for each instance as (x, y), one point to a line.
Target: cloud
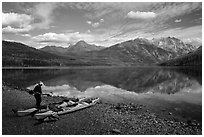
(178, 20)
(101, 20)
(63, 37)
(51, 37)
(16, 23)
(194, 32)
(9, 29)
(109, 37)
(96, 24)
(88, 22)
(44, 13)
(26, 35)
(98, 13)
(100, 9)
(59, 39)
(167, 11)
(141, 15)
(40, 17)
(15, 19)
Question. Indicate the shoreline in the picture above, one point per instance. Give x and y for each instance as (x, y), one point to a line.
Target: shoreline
(100, 119)
(95, 67)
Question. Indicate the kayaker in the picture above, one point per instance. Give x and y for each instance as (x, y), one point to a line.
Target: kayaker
(37, 94)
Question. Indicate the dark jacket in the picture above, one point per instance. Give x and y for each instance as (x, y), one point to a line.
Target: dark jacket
(37, 90)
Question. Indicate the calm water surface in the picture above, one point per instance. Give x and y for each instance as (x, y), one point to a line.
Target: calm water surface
(169, 88)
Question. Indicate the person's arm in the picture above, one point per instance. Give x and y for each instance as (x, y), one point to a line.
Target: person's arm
(30, 91)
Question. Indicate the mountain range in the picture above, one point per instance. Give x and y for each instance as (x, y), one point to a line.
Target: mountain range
(18, 54)
(77, 48)
(170, 44)
(190, 59)
(139, 51)
(174, 45)
(132, 52)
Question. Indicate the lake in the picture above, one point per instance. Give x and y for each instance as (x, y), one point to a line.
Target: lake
(178, 90)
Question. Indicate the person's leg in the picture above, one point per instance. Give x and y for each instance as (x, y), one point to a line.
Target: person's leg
(38, 100)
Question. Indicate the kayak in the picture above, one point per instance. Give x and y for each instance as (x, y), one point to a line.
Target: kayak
(67, 107)
(29, 111)
(25, 112)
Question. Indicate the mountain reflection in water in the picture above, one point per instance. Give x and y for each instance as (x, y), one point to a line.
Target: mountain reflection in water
(140, 82)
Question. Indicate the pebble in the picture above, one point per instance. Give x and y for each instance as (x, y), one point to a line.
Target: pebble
(192, 123)
(116, 131)
(171, 122)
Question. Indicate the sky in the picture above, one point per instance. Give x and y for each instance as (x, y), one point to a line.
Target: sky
(101, 23)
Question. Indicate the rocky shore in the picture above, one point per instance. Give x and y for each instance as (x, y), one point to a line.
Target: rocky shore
(102, 119)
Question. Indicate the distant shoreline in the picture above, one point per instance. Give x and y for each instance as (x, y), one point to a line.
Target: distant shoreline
(74, 67)
(84, 67)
